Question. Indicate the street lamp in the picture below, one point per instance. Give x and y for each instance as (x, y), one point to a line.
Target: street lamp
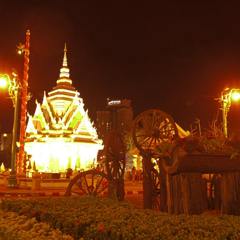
(227, 97)
(13, 86)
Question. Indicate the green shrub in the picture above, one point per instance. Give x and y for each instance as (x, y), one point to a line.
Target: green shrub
(98, 218)
(15, 227)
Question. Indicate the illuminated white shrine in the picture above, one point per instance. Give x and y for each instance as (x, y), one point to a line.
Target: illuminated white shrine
(60, 134)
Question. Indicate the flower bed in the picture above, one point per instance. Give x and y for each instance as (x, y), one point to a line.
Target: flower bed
(96, 218)
(13, 226)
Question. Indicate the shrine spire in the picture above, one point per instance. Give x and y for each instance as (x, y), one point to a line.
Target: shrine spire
(65, 56)
(64, 76)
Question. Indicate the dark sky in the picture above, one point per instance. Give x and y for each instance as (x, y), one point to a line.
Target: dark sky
(173, 56)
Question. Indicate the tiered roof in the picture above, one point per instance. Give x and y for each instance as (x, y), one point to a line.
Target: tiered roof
(61, 113)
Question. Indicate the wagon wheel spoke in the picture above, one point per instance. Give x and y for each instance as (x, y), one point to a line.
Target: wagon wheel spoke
(145, 140)
(166, 125)
(150, 143)
(77, 192)
(99, 190)
(154, 117)
(147, 126)
(79, 184)
(166, 128)
(100, 187)
(98, 184)
(157, 122)
(167, 132)
(160, 119)
(163, 126)
(141, 135)
(86, 183)
(92, 186)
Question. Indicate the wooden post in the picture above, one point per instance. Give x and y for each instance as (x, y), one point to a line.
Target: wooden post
(217, 191)
(180, 202)
(169, 193)
(186, 194)
(194, 196)
(163, 191)
(147, 182)
(230, 193)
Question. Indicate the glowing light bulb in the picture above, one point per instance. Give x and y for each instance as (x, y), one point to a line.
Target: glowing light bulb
(235, 96)
(19, 51)
(3, 82)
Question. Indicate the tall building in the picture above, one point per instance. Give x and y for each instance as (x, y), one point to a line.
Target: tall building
(5, 141)
(5, 149)
(118, 115)
(60, 134)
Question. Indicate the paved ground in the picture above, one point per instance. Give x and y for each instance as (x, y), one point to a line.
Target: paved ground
(133, 192)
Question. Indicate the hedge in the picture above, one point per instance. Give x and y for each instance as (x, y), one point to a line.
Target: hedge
(15, 227)
(99, 218)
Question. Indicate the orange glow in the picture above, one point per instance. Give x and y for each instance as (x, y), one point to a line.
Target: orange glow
(57, 155)
(235, 96)
(3, 82)
(60, 134)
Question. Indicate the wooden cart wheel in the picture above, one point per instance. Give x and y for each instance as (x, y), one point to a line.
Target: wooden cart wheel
(152, 128)
(91, 182)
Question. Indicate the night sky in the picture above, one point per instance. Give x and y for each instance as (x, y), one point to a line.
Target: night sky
(173, 56)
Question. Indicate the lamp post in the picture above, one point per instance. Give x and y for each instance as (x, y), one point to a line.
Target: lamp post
(13, 86)
(227, 97)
